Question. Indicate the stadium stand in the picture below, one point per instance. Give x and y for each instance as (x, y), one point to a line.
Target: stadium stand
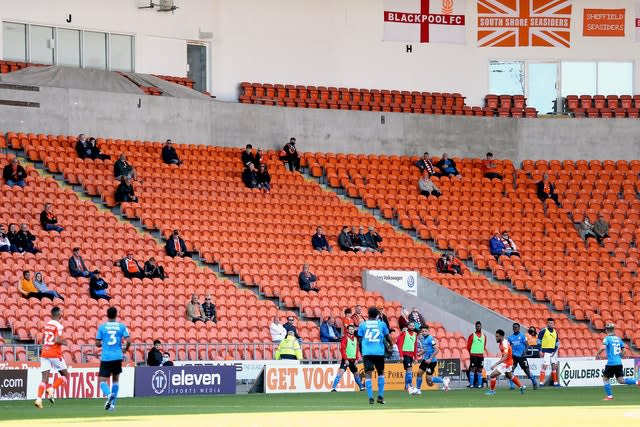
(601, 106)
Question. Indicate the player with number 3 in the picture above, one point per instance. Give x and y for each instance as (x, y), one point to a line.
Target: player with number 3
(111, 336)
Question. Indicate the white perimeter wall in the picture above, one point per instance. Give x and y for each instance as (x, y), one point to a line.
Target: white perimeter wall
(320, 42)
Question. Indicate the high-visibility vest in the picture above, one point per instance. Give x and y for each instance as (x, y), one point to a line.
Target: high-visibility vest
(477, 345)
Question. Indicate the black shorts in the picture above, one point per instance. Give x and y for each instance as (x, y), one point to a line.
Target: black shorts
(613, 371)
(374, 362)
(428, 368)
(520, 361)
(351, 364)
(476, 362)
(407, 362)
(111, 367)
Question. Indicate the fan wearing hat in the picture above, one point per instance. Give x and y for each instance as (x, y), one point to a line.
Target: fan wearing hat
(613, 347)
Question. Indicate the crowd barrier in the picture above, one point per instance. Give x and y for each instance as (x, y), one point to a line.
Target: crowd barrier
(19, 380)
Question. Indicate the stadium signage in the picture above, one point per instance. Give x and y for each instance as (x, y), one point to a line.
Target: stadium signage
(185, 380)
(603, 23)
(405, 280)
(305, 379)
(589, 373)
(84, 383)
(246, 370)
(13, 384)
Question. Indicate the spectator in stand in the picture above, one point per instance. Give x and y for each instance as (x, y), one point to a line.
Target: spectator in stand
(123, 169)
(259, 159)
(278, 332)
(546, 190)
(306, 279)
(250, 176)
(166, 359)
(425, 164)
(346, 244)
(95, 152)
(382, 316)
(447, 166)
(247, 156)
(357, 242)
(125, 192)
(328, 331)
(209, 309)
(290, 327)
(194, 310)
(585, 229)
(28, 289)
(403, 320)
(347, 319)
(263, 178)
(24, 240)
(319, 241)
(510, 248)
(448, 264)
(357, 317)
(290, 155)
(496, 245)
(14, 174)
(41, 286)
(12, 234)
(600, 228)
(289, 348)
(428, 187)
(76, 265)
(130, 267)
(154, 357)
(175, 246)
(98, 286)
(152, 270)
(371, 239)
(5, 243)
(416, 318)
(490, 167)
(169, 154)
(48, 219)
(533, 348)
(83, 148)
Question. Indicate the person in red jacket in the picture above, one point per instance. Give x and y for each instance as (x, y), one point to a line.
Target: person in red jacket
(408, 348)
(477, 347)
(350, 352)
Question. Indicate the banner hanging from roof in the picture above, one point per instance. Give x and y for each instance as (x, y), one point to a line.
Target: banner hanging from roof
(603, 23)
(637, 22)
(424, 21)
(524, 23)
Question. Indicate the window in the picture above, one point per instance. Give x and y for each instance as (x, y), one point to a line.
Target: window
(578, 78)
(14, 41)
(506, 77)
(94, 50)
(615, 78)
(68, 47)
(41, 46)
(597, 78)
(121, 49)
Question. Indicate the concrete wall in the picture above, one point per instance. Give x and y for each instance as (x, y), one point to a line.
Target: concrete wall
(437, 303)
(117, 115)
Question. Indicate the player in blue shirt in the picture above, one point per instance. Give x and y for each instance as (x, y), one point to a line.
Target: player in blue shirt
(613, 346)
(427, 351)
(110, 337)
(518, 342)
(375, 343)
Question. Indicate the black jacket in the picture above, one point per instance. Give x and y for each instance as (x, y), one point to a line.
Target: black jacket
(125, 193)
(23, 240)
(170, 247)
(263, 177)
(84, 150)
(96, 284)
(19, 175)
(247, 158)
(76, 270)
(44, 219)
(249, 178)
(154, 357)
(169, 154)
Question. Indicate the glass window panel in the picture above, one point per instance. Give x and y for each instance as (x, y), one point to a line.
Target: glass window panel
(41, 48)
(121, 52)
(578, 78)
(615, 78)
(95, 50)
(506, 77)
(14, 41)
(68, 47)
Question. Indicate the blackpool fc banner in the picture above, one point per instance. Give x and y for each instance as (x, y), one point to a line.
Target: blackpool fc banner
(523, 23)
(424, 21)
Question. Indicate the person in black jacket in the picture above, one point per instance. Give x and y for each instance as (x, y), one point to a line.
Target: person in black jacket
(131, 268)
(425, 164)
(319, 241)
(169, 154)
(76, 265)
(49, 220)
(247, 156)
(83, 148)
(122, 168)
(98, 287)
(12, 235)
(546, 190)
(263, 178)
(447, 166)
(290, 155)
(306, 279)
(24, 240)
(175, 246)
(152, 270)
(249, 176)
(371, 239)
(154, 357)
(125, 191)
(95, 152)
(14, 174)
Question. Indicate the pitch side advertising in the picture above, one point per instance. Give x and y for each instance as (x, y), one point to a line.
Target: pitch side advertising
(246, 370)
(405, 280)
(83, 382)
(185, 380)
(13, 384)
(305, 379)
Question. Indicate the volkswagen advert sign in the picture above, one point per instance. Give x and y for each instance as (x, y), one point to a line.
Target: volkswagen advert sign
(185, 380)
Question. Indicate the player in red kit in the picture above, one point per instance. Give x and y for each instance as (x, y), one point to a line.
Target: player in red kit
(350, 352)
(51, 357)
(503, 366)
(408, 348)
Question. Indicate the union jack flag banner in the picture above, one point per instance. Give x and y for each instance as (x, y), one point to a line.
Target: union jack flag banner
(518, 23)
